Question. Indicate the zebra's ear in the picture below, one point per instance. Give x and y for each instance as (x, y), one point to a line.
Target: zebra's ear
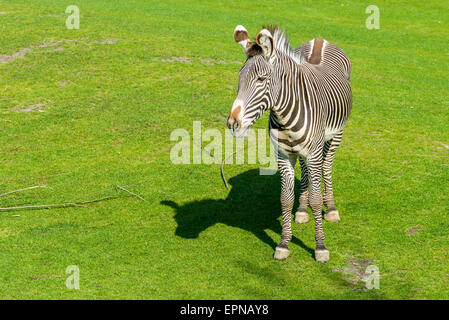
(242, 38)
(265, 40)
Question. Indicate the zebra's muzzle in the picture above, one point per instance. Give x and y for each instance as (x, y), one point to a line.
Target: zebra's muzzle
(236, 128)
(234, 118)
(233, 123)
(239, 132)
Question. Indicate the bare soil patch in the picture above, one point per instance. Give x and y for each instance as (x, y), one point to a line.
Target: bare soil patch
(33, 107)
(190, 60)
(355, 272)
(54, 45)
(412, 230)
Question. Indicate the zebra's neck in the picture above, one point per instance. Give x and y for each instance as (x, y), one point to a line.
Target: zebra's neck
(288, 109)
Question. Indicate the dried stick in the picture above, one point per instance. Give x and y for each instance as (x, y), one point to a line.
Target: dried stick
(222, 163)
(134, 194)
(58, 205)
(19, 190)
(222, 171)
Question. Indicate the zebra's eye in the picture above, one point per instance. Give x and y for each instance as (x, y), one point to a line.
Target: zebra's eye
(261, 79)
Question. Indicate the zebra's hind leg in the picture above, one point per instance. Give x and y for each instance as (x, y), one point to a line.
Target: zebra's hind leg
(330, 147)
(287, 171)
(314, 164)
(302, 216)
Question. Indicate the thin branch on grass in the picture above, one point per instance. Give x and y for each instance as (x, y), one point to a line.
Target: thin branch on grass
(222, 163)
(222, 171)
(19, 190)
(134, 194)
(58, 205)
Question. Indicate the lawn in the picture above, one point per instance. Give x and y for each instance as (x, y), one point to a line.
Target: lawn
(84, 110)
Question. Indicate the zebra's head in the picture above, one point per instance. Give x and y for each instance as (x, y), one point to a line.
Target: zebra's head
(256, 92)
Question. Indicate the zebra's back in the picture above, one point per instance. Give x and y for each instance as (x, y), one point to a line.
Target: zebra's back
(326, 55)
(330, 67)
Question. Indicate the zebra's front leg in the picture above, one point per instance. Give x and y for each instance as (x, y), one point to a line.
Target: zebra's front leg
(314, 165)
(330, 147)
(287, 171)
(302, 216)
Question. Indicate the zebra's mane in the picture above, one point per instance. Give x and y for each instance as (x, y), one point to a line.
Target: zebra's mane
(282, 43)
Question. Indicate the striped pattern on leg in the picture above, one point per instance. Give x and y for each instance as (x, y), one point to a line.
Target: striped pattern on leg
(314, 164)
(287, 171)
(302, 216)
(330, 148)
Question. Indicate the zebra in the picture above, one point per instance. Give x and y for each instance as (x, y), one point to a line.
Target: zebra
(308, 92)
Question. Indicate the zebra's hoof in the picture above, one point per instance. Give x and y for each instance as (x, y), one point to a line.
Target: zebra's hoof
(301, 217)
(322, 255)
(332, 216)
(281, 253)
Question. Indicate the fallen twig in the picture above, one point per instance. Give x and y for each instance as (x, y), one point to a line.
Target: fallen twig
(222, 171)
(19, 190)
(58, 205)
(134, 194)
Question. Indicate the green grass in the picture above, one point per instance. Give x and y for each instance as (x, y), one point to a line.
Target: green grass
(110, 109)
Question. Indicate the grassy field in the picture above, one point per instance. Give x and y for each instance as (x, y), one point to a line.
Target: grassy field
(82, 111)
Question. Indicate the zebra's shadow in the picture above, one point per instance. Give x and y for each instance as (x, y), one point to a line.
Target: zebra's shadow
(253, 204)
